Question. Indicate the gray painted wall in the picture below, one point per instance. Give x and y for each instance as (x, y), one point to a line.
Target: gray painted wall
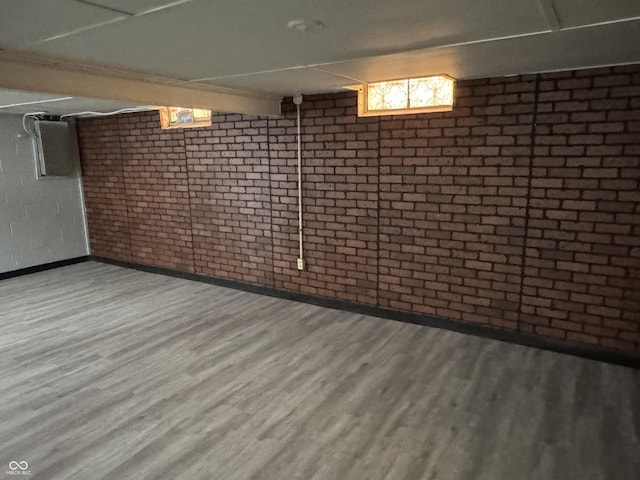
(41, 220)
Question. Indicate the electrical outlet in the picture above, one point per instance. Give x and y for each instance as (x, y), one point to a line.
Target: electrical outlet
(300, 264)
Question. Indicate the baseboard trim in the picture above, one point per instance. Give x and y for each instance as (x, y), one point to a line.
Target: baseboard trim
(479, 330)
(43, 267)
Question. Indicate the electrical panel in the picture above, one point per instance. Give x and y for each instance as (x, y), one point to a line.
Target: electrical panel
(56, 147)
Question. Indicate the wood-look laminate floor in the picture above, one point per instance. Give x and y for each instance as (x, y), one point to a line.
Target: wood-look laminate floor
(110, 373)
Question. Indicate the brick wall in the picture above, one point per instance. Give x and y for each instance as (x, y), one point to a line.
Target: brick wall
(519, 210)
(136, 190)
(340, 158)
(453, 198)
(103, 183)
(582, 264)
(154, 167)
(229, 185)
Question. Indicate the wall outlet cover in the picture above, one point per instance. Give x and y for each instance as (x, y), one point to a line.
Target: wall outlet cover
(300, 264)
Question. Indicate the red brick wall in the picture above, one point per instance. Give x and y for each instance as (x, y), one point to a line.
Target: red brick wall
(103, 184)
(453, 197)
(136, 190)
(520, 209)
(157, 192)
(340, 158)
(230, 199)
(582, 265)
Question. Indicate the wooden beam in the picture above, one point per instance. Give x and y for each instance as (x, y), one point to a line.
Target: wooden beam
(47, 75)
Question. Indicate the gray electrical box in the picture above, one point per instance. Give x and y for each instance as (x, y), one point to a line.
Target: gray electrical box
(56, 148)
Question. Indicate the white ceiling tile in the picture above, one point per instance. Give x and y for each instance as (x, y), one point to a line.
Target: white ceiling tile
(609, 44)
(587, 12)
(15, 97)
(203, 39)
(137, 6)
(288, 82)
(25, 22)
(14, 101)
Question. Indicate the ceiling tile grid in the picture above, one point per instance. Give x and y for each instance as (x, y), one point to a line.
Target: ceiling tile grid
(247, 46)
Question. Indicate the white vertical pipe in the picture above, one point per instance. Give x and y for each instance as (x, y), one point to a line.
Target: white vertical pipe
(301, 257)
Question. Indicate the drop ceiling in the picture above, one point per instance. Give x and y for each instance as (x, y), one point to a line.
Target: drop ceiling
(245, 48)
(17, 101)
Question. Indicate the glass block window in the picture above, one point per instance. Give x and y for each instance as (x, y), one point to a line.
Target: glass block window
(180, 117)
(411, 95)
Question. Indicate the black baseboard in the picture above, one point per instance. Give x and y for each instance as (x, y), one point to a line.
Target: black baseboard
(42, 268)
(479, 330)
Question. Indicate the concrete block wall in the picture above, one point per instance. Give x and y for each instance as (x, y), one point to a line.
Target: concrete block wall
(41, 220)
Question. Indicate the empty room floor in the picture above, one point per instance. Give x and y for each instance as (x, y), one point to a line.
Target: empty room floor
(112, 373)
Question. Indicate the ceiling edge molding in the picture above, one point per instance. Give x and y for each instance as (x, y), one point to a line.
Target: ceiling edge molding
(20, 71)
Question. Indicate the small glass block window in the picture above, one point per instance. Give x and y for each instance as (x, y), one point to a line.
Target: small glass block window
(430, 92)
(180, 117)
(388, 95)
(411, 95)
